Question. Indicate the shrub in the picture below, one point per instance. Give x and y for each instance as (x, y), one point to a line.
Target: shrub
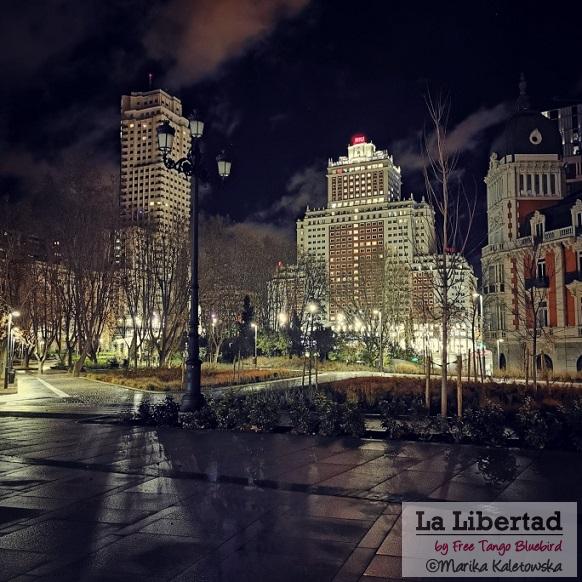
(389, 410)
(393, 406)
(394, 428)
(458, 429)
(485, 424)
(571, 417)
(531, 426)
(204, 418)
(263, 413)
(426, 428)
(353, 422)
(166, 413)
(304, 418)
(144, 414)
(230, 411)
(329, 414)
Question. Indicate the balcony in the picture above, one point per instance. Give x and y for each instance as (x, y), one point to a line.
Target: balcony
(537, 282)
(495, 334)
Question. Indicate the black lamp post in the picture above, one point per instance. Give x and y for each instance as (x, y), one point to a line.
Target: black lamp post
(192, 166)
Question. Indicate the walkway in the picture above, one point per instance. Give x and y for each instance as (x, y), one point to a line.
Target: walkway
(88, 501)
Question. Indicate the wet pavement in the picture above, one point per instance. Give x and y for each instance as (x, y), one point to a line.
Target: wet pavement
(56, 393)
(84, 500)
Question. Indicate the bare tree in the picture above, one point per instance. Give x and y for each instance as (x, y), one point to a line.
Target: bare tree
(380, 310)
(138, 283)
(42, 308)
(85, 236)
(169, 319)
(454, 218)
(530, 304)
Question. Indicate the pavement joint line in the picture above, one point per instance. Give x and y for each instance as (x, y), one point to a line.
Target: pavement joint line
(53, 389)
(273, 484)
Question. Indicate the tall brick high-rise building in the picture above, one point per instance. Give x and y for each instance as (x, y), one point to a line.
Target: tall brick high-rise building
(150, 193)
(365, 218)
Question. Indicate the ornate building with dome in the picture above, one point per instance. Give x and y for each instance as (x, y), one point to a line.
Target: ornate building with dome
(532, 264)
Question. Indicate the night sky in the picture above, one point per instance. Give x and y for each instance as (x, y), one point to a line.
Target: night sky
(282, 83)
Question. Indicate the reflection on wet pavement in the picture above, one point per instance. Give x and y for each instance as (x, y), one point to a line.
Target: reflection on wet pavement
(102, 502)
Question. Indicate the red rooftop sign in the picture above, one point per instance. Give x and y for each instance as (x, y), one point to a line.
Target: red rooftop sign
(358, 138)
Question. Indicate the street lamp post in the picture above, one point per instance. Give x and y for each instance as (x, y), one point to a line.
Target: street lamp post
(255, 327)
(312, 308)
(8, 355)
(191, 166)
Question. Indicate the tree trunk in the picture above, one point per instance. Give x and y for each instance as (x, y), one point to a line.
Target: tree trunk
(26, 358)
(444, 357)
(427, 383)
(534, 372)
(69, 357)
(80, 362)
(459, 385)
(475, 366)
(316, 370)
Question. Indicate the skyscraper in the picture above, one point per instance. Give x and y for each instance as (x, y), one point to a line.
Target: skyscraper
(150, 193)
(365, 219)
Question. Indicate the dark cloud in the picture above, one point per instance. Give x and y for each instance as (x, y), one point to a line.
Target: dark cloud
(224, 117)
(195, 38)
(464, 137)
(307, 187)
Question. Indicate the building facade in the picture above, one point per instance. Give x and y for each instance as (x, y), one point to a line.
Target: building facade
(531, 269)
(364, 220)
(569, 120)
(150, 193)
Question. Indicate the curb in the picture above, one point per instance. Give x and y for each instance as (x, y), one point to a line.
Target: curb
(40, 414)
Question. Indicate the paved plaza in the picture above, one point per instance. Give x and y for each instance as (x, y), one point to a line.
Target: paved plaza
(83, 498)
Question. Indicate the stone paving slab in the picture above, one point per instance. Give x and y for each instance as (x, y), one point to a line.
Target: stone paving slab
(89, 501)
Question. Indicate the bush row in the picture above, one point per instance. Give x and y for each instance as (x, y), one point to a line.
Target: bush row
(369, 392)
(310, 412)
(531, 425)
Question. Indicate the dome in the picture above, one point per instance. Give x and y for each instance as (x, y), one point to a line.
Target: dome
(528, 132)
